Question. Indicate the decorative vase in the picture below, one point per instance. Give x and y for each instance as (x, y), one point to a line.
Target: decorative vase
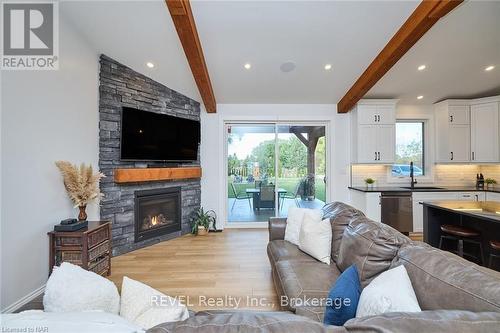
(83, 214)
(202, 231)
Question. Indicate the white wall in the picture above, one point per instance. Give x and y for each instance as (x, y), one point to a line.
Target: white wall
(46, 116)
(212, 150)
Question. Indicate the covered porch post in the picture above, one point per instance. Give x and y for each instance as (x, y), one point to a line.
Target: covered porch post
(313, 134)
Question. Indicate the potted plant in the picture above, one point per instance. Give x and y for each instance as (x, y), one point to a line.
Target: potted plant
(490, 182)
(82, 185)
(307, 188)
(201, 221)
(369, 182)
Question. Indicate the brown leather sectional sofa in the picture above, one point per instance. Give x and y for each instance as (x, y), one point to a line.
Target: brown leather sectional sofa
(449, 289)
(454, 294)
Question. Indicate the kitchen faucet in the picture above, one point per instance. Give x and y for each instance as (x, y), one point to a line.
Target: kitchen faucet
(413, 180)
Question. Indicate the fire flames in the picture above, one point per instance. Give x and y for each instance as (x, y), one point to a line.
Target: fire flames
(154, 220)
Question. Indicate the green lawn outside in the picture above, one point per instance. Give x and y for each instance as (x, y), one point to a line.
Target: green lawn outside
(288, 184)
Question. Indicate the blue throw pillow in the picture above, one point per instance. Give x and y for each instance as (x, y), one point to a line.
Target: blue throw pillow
(343, 298)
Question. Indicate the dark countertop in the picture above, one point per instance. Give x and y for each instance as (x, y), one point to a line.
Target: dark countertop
(485, 210)
(417, 189)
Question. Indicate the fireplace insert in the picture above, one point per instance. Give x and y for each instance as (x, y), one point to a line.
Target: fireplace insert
(157, 212)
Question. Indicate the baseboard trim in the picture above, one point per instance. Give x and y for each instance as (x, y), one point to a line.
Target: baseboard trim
(25, 300)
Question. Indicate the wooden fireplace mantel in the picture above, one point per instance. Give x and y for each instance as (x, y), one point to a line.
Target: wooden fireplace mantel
(155, 174)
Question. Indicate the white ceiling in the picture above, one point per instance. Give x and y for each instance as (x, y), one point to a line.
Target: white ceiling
(456, 50)
(347, 34)
(133, 33)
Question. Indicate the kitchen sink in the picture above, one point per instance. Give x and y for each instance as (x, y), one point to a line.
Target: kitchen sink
(423, 188)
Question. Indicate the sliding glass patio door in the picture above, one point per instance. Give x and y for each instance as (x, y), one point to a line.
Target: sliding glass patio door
(301, 166)
(272, 167)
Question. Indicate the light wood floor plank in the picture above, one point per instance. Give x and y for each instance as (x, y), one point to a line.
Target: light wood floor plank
(231, 263)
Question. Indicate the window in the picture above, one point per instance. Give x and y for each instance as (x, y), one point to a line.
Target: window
(409, 148)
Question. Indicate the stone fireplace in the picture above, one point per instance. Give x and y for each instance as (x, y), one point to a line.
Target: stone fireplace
(157, 212)
(121, 86)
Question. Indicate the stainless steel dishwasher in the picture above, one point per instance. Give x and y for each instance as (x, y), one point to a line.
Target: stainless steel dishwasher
(397, 210)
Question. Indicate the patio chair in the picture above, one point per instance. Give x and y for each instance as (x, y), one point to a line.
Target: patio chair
(291, 195)
(240, 196)
(266, 197)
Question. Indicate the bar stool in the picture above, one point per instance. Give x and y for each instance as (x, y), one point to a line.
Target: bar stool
(495, 246)
(462, 235)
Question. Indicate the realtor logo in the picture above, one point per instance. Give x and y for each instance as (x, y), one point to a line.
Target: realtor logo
(30, 36)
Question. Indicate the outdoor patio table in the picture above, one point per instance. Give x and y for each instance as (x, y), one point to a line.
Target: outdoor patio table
(255, 192)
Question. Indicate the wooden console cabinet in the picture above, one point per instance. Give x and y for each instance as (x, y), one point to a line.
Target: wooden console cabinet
(89, 248)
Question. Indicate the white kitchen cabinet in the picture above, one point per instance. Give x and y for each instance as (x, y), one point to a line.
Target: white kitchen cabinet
(367, 202)
(458, 115)
(484, 132)
(452, 131)
(459, 143)
(386, 143)
(492, 196)
(373, 132)
(468, 131)
(367, 143)
(367, 114)
(376, 144)
(372, 112)
(386, 114)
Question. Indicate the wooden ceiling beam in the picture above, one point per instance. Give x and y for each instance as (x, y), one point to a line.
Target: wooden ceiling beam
(420, 21)
(181, 13)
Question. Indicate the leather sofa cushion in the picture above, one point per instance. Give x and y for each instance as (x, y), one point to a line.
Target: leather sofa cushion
(442, 321)
(244, 321)
(371, 246)
(340, 215)
(279, 250)
(305, 282)
(442, 280)
(316, 313)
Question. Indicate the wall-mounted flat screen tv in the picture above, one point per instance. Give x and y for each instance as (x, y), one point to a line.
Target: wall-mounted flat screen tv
(149, 136)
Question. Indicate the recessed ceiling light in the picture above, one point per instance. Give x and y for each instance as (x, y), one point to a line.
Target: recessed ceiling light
(421, 67)
(420, 97)
(150, 64)
(328, 67)
(287, 67)
(489, 68)
(247, 66)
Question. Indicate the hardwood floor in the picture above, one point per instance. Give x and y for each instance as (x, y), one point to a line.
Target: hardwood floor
(225, 267)
(232, 263)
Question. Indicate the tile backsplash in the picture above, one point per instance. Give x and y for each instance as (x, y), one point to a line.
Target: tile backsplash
(444, 174)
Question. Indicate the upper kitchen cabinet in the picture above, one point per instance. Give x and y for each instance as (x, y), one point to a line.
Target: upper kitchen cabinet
(376, 114)
(452, 131)
(458, 115)
(373, 131)
(484, 132)
(467, 131)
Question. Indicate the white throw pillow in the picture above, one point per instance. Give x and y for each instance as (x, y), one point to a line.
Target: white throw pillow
(147, 307)
(391, 291)
(294, 221)
(315, 238)
(70, 288)
(74, 322)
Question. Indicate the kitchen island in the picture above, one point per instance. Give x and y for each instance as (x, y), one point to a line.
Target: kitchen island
(482, 216)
